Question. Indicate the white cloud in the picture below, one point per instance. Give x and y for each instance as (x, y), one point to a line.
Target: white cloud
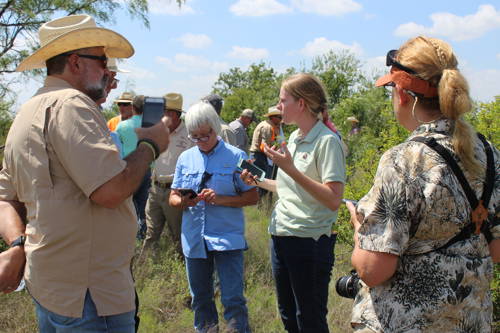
(498, 56)
(193, 41)
(248, 53)
(455, 27)
(189, 63)
(258, 8)
(321, 45)
(483, 83)
(163, 7)
(327, 7)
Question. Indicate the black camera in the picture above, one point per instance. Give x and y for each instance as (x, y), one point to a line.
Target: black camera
(348, 286)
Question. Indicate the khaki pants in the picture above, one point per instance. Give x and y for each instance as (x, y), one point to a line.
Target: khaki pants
(158, 211)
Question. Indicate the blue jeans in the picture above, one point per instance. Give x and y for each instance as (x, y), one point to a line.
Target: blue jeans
(50, 322)
(200, 273)
(302, 268)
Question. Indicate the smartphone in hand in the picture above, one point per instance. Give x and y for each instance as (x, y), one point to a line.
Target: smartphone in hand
(187, 191)
(354, 202)
(152, 111)
(252, 168)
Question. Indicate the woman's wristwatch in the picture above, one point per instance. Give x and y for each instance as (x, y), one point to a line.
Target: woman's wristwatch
(19, 241)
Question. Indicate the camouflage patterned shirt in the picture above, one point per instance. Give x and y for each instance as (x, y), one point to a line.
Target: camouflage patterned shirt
(415, 206)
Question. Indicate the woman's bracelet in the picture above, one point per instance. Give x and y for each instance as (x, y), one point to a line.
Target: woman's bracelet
(152, 145)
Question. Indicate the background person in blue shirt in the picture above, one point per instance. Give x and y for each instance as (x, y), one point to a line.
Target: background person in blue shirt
(213, 223)
(128, 138)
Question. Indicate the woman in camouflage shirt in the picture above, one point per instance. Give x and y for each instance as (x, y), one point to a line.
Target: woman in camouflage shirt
(417, 205)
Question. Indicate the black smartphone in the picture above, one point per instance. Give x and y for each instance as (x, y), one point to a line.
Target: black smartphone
(252, 168)
(354, 202)
(187, 191)
(152, 111)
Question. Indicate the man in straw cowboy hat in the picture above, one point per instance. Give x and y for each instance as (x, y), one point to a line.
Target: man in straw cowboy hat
(267, 131)
(158, 210)
(63, 175)
(125, 109)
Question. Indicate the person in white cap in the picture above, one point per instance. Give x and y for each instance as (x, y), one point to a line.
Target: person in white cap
(113, 81)
(239, 127)
(63, 175)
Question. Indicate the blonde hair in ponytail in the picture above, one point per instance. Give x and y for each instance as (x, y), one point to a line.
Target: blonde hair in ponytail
(434, 61)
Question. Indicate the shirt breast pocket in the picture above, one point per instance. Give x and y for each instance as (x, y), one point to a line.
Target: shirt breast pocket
(223, 182)
(303, 161)
(190, 179)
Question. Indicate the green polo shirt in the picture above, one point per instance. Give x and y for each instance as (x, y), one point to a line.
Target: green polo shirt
(297, 213)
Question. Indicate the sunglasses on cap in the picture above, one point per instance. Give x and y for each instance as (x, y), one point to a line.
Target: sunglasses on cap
(390, 60)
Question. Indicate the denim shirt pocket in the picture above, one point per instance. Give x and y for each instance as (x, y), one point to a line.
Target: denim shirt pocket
(223, 181)
(191, 179)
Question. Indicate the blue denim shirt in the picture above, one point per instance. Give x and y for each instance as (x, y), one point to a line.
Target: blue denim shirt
(211, 227)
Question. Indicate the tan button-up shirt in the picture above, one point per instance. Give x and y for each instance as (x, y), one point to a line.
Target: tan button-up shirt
(57, 153)
(263, 132)
(164, 166)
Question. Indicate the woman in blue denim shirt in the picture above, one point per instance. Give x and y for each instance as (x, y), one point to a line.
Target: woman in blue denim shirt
(213, 223)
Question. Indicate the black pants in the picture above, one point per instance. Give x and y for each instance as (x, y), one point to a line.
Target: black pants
(302, 269)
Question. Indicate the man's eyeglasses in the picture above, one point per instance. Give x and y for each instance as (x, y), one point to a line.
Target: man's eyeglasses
(390, 60)
(123, 104)
(203, 138)
(102, 58)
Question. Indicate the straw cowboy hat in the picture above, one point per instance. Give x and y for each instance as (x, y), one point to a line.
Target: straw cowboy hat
(273, 111)
(72, 33)
(126, 97)
(173, 102)
(113, 66)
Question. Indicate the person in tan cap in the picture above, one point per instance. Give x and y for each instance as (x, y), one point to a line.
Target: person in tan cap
(158, 210)
(63, 175)
(125, 108)
(239, 127)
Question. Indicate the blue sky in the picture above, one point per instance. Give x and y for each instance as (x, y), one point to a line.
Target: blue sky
(185, 50)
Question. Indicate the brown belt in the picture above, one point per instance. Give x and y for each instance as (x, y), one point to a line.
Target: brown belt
(162, 185)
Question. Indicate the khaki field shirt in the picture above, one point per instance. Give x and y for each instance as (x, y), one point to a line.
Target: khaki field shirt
(58, 152)
(262, 132)
(164, 166)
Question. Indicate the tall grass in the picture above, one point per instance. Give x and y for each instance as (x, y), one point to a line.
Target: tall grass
(164, 294)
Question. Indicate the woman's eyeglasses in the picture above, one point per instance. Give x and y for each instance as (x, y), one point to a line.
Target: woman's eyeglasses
(390, 60)
(203, 138)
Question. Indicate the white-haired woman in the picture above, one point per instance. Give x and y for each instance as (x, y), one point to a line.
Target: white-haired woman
(213, 223)
(425, 266)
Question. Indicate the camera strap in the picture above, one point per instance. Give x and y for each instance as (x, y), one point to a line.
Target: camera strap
(479, 207)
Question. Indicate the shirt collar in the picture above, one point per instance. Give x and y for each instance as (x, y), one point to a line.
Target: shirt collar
(216, 149)
(313, 133)
(442, 126)
(52, 81)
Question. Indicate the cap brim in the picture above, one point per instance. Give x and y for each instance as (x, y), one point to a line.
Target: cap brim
(384, 80)
(123, 101)
(115, 46)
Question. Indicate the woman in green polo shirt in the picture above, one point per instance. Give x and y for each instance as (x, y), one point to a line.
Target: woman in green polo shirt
(309, 184)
